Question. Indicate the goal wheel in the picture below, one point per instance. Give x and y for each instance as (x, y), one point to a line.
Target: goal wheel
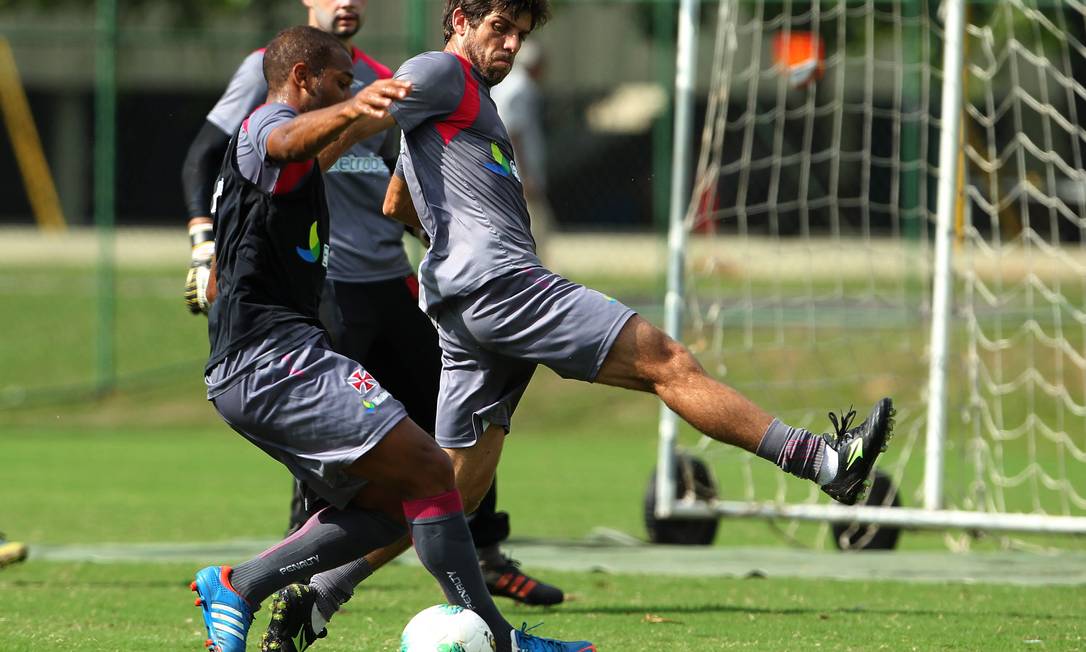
(692, 478)
(856, 536)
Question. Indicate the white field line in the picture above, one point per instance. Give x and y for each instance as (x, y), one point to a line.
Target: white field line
(596, 555)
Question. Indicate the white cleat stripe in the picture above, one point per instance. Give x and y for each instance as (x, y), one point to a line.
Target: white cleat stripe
(227, 619)
(219, 627)
(218, 606)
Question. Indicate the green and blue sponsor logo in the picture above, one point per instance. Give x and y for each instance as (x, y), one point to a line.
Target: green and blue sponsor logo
(313, 253)
(501, 166)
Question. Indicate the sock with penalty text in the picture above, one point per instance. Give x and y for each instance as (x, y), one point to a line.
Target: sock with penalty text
(445, 547)
(798, 452)
(329, 539)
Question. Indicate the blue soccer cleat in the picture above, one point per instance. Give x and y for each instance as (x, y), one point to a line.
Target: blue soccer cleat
(227, 617)
(524, 642)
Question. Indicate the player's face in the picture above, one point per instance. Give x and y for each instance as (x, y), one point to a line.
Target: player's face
(492, 46)
(341, 18)
(333, 85)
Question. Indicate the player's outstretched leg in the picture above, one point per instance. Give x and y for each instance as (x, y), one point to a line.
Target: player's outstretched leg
(644, 358)
(329, 539)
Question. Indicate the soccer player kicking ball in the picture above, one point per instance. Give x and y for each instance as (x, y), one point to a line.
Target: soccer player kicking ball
(500, 313)
(274, 379)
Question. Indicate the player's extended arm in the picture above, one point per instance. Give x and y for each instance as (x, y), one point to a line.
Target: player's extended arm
(321, 132)
(398, 204)
(197, 178)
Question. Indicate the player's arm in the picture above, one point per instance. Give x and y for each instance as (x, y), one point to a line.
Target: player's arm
(359, 130)
(198, 175)
(327, 133)
(398, 204)
(245, 91)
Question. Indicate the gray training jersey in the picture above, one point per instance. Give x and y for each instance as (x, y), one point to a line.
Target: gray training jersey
(366, 245)
(458, 164)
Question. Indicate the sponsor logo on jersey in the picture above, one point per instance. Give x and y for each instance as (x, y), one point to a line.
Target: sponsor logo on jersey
(371, 406)
(351, 164)
(311, 254)
(504, 167)
(362, 381)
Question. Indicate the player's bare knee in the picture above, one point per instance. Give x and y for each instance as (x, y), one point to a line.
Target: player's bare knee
(431, 473)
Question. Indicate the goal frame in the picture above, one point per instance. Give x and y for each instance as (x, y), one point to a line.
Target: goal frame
(931, 515)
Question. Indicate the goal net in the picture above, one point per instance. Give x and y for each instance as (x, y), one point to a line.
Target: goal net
(810, 251)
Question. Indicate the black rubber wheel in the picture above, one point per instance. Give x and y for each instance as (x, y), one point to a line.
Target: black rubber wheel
(853, 536)
(692, 476)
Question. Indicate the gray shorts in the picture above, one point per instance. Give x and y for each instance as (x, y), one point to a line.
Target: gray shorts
(316, 412)
(493, 339)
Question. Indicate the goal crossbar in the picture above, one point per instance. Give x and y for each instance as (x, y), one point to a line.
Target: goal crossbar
(903, 517)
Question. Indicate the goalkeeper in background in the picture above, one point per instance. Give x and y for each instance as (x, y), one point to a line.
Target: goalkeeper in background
(370, 300)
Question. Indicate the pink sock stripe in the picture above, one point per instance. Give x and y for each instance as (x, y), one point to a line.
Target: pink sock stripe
(434, 507)
(297, 535)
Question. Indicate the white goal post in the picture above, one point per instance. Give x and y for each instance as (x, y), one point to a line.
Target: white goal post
(902, 212)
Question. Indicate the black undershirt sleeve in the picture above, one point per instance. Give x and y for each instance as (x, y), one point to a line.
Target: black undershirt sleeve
(390, 148)
(201, 167)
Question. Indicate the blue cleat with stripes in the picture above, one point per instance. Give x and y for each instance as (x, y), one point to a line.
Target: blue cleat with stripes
(524, 642)
(227, 617)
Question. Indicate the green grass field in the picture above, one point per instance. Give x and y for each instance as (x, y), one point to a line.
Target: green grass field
(148, 607)
(151, 462)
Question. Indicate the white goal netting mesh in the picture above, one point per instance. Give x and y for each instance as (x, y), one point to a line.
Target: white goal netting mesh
(809, 260)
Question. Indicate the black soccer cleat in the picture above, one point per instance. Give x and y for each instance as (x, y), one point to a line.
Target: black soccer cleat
(292, 626)
(505, 579)
(857, 450)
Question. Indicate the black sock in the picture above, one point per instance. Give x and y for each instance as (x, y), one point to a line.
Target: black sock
(444, 545)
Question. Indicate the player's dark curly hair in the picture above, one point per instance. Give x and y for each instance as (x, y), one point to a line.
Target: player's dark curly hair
(476, 10)
(298, 44)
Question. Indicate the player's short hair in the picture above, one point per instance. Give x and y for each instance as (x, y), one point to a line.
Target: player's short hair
(477, 10)
(299, 44)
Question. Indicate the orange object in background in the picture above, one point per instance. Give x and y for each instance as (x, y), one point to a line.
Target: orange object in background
(800, 55)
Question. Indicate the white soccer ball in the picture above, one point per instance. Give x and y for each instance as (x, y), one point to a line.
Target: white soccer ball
(447, 628)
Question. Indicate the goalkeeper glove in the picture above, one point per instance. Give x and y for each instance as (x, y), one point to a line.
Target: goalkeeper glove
(201, 236)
